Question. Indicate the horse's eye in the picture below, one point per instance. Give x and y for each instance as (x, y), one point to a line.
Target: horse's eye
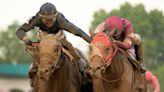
(90, 47)
(56, 49)
(46, 71)
(106, 50)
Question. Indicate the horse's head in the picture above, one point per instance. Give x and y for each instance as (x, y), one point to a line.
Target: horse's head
(109, 66)
(49, 51)
(101, 52)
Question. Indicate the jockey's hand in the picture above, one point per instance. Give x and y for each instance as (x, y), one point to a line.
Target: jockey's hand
(28, 42)
(115, 41)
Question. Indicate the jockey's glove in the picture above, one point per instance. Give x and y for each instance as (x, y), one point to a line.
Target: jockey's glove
(27, 40)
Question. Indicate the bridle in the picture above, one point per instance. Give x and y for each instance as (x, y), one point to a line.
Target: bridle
(48, 57)
(108, 58)
(103, 68)
(115, 80)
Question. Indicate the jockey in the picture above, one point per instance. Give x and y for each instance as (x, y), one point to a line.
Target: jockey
(121, 29)
(151, 79)
(51, 21)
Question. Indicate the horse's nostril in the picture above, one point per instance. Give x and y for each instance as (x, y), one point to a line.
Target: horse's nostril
(46, 71)
(98, 67)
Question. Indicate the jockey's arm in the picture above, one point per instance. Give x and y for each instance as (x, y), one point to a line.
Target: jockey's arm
(70, 27)
(126, 44)
(100, 27)
(21, 31)
(156, 84)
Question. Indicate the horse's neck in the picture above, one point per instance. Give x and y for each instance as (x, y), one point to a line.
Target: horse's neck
(117, 74)
(60, 77)
(116, 67)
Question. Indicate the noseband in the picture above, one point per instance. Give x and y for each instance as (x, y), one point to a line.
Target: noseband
(48, 57)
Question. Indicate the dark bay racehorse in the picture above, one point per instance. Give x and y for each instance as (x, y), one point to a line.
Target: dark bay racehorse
(110, 69)
(56, 72)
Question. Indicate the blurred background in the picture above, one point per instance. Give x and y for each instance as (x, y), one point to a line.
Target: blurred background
(146, 16)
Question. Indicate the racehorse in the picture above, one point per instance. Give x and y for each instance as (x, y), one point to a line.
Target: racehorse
(56, 72)
(110, 68)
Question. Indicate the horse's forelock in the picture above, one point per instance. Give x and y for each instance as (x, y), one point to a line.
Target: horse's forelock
(48, 40)
(49, 36)
(54, 36)
(101, 39)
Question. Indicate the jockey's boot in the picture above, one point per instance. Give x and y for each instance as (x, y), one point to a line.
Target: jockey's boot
(139, 57)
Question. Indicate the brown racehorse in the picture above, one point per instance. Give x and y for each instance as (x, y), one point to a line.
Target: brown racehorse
(110, 69)
(56, 73)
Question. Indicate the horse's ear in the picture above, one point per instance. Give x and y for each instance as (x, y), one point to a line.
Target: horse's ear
(59, 34)
(91, 32)
(32, 50)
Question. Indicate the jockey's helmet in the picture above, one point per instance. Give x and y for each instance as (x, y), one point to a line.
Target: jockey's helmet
(48, 14)
(48, 11)
(114, 23)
